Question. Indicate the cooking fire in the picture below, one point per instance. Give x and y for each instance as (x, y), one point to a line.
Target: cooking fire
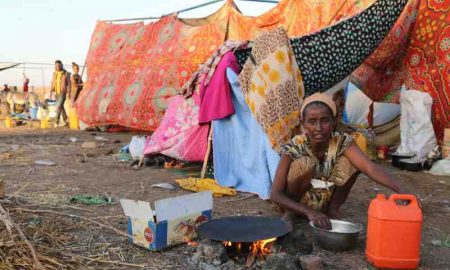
(249, 251)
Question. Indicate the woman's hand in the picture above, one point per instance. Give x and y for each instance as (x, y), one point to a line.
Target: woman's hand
(319, 219)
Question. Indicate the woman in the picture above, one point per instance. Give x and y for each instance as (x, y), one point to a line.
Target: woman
(318, 168)
(76, 84)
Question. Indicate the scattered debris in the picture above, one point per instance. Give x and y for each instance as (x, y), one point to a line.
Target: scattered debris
(311, 262)
(2, 189)
(35, 221)
(123, 157)
(210, 253)
(280, 261)
(91, 200)
(164, 186)
(89, 145)
(436, 243)
(101, 138)
(45, 162)
(73, 139)
(31, 170)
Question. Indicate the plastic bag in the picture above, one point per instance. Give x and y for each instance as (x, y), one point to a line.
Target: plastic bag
(417, 133)
(137, 146)
(441, 167)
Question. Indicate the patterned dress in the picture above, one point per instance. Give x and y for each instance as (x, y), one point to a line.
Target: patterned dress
(334, 169)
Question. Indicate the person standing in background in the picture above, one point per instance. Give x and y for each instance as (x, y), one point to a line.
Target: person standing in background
(26, 81)
(76, 84)
(60, 85)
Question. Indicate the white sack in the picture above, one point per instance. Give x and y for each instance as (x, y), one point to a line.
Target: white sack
(441, 167)
(416, 130)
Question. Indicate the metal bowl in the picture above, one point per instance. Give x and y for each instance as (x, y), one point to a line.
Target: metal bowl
(342, 237)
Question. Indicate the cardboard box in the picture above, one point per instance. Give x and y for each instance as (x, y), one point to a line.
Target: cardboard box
(174, 220)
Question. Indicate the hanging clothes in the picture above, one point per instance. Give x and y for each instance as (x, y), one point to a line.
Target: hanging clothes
(206, 70)
(215, 95)
(243, 156)
(179, 136)
(273, 86)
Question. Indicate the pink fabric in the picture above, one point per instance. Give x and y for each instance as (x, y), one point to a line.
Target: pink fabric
(179, 134)
(215, 97)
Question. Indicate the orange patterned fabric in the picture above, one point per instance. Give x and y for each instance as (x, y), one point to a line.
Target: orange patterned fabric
(298, 17)
(416, 53)
(134, 68)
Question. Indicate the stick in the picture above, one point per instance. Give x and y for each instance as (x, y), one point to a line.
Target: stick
(75, 216)
(112, 262)
(141, 162)
(22, 236)
(208, 151)
(242, 199)
(18, 191)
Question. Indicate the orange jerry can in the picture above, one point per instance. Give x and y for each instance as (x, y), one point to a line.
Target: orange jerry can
(394, 232)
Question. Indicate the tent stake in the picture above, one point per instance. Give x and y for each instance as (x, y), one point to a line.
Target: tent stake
(208, 151)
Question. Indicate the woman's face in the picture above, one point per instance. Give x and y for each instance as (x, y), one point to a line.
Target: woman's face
(318, 123)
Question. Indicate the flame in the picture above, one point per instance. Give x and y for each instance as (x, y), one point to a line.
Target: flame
(258, 249)
(261, 246)
(227, 243)
(193, 243)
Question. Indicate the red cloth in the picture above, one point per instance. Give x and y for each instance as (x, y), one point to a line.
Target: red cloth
(415, 53)
(25, 87)
(215, 98)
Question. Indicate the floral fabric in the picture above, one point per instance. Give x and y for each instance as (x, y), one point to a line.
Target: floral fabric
(134, 69)
(415, 53)
(273, 86)
(179, 135)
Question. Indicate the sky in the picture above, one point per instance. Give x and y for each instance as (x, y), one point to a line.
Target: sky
(41, 31)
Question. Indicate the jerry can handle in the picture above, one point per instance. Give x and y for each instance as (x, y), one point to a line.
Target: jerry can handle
(409, 197)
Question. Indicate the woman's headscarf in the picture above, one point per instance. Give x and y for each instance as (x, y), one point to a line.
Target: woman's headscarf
(320, 97)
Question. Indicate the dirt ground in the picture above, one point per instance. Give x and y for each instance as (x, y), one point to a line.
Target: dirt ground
(67, 237)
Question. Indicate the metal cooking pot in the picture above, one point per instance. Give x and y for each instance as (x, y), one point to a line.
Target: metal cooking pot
(342, 237)
(396, 158)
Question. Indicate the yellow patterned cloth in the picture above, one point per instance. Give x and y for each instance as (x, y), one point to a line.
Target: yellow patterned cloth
(273, 86)
(205, 184)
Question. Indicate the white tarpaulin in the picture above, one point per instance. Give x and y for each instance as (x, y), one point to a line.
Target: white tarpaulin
(357, 106)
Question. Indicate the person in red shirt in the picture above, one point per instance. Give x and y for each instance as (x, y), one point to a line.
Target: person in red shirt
(26, 81)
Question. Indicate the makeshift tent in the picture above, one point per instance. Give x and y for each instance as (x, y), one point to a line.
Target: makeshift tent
(134, 68)
(415, 53)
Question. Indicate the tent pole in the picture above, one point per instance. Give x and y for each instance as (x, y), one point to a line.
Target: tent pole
(262, 1)
(155, 18)
(208, 152)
